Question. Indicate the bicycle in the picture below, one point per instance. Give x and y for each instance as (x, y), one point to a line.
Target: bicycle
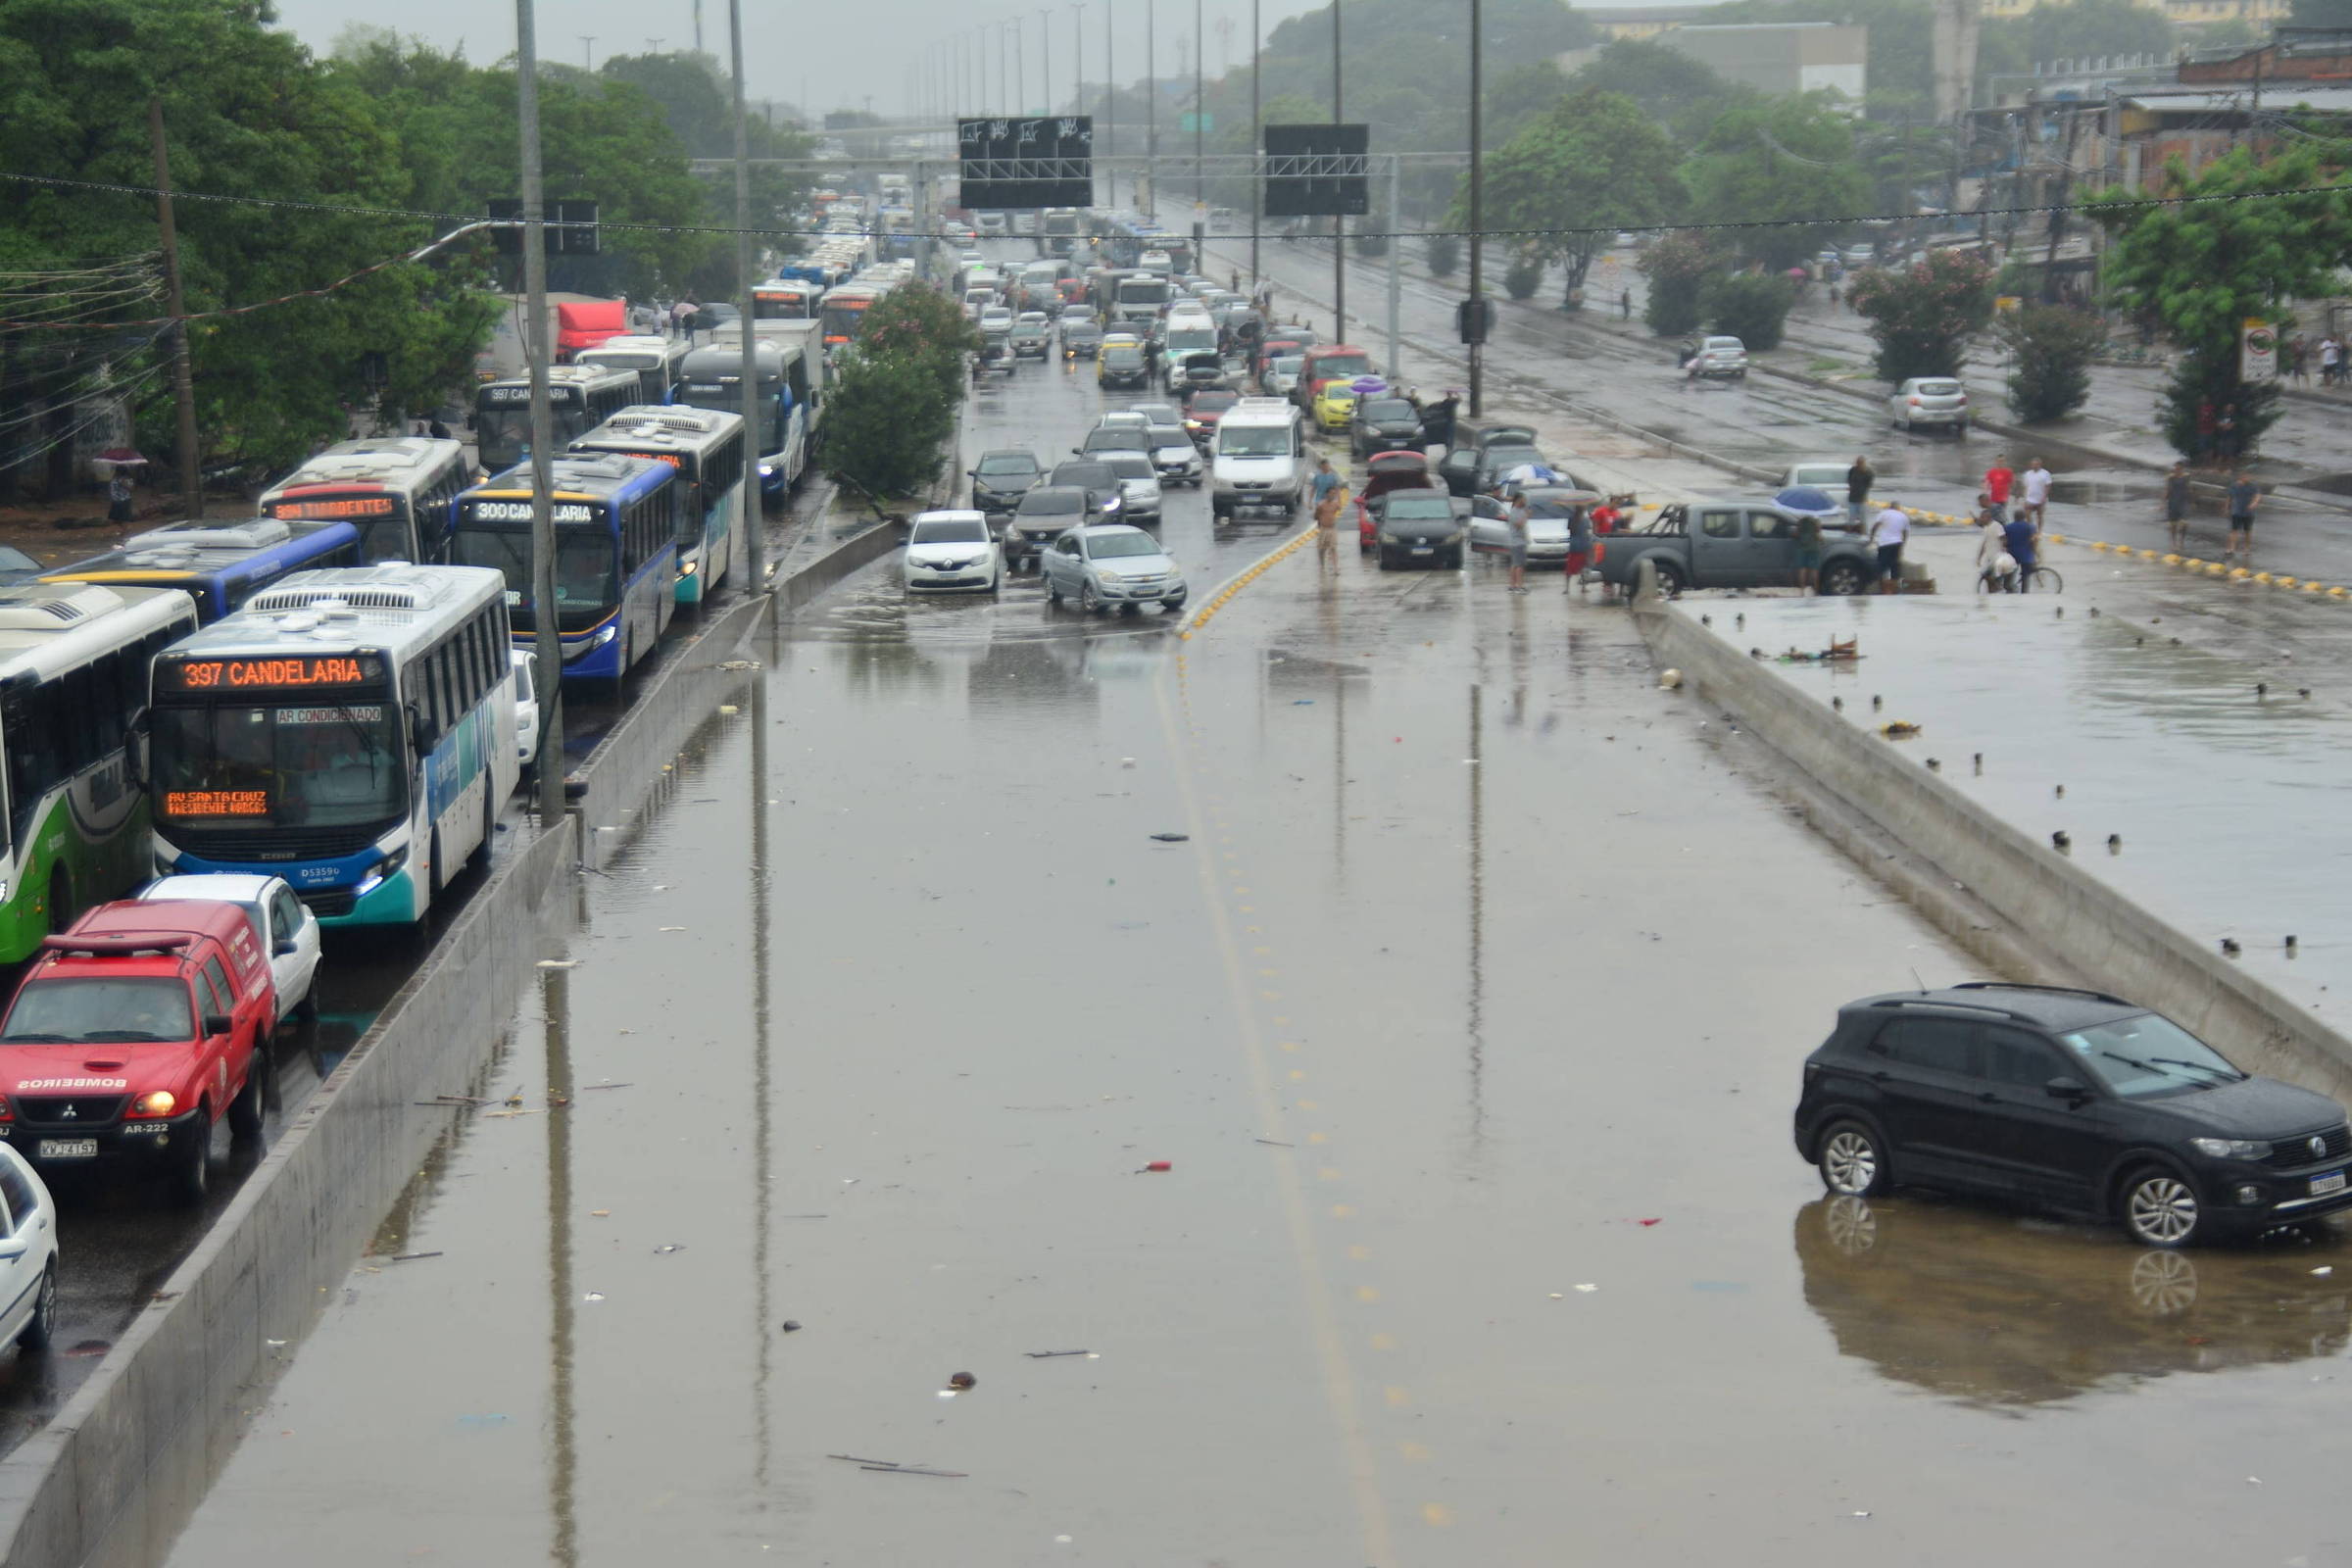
(2039, 580)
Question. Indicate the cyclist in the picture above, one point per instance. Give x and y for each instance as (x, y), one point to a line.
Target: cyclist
(2024, 539)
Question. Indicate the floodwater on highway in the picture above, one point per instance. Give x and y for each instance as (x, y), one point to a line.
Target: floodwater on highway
(2225, 789)
(1466, 1018)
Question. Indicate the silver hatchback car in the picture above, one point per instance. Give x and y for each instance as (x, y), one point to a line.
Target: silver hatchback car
(1111, 563)
(1930, 400)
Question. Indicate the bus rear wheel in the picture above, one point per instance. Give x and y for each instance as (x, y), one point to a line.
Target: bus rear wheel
(61, 900)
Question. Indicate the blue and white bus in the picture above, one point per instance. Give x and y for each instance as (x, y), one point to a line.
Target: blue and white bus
(396, 490)
(616, 555)
(349, 730)
(706, 447)
(218, 565)
(713, 379)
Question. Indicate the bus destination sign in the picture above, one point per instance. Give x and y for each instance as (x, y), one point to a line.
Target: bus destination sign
(237, 674)
(347, 507)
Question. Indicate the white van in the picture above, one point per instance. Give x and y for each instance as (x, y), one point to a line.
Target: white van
(1188, 330)
(1258, 458)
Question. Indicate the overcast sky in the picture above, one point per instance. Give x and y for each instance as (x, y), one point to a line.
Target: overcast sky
(838, 54)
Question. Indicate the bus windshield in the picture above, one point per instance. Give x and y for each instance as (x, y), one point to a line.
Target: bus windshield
(841, 321)
(585, 583)
(504, 433)
(1143, 291)
(1193, 340)
(297, 763)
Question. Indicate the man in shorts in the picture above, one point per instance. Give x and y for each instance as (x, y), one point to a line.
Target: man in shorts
(1330, 491)
(2244, 496)
(1887, 531)
(2033, 491)
(1809, 554)
(1580, 549)
(1518, 516)
(2176, 504)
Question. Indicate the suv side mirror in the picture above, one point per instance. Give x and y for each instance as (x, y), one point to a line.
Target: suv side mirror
(2065, 1088)
(216, 1023)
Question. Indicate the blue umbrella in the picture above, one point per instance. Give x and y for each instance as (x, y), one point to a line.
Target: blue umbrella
(1807, 498)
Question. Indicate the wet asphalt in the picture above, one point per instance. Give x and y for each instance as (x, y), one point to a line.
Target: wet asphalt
(1466, 1018)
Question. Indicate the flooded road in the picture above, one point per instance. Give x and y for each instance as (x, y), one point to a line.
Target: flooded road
(1459, 981)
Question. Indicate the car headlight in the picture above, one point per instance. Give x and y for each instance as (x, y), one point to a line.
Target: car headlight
(2232, 1147)
(159, 1104)
(1103, 574)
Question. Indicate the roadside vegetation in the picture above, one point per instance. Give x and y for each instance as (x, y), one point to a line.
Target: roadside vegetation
(892, 412)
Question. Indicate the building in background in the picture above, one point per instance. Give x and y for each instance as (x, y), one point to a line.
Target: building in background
(1768, 56)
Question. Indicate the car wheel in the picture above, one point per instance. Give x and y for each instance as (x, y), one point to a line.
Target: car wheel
(192, 1177)
(2159, 1209)
(1172, 604)
(995, 582)
(1052, 588)
(1850, 1162)
(1088, 600)
(1844, 579)
(1670, 577)
(245, 1111)
(39, 1327)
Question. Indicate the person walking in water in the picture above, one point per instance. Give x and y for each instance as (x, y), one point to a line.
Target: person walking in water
(1330, 491)
(1519, 527)
(1887, 531)
(2176, 504)
(1858, 480)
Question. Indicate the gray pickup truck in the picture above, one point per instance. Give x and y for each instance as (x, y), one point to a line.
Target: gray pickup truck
(1734, 544)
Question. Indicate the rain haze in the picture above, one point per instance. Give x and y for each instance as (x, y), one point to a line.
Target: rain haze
(840, 73)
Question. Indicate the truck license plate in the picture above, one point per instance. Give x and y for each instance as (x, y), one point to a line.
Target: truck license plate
(87, 1148)
(2331, 1183)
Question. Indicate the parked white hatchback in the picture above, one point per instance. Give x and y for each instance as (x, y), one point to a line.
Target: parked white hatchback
(1930, 400)
(951, 551)
(282, 923)
(28, 1254)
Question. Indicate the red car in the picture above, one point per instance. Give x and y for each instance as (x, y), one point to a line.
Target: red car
(1203, 409)
(1332, 362)
(1387, 471)
(134, 1034)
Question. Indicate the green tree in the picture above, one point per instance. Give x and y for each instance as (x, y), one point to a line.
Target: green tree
(894, 395)
(1923, 317)
(1443, 253)
(1523, 277)
(245, 109)
(2049, 359)
(1594, 163)
(1776, 160)
(2202, 269)
(1518, 94)
(1749, 306)
(1679, 267)
(1681, 93)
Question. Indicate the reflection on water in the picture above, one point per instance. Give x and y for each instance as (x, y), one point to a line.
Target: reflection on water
(1983, 1307)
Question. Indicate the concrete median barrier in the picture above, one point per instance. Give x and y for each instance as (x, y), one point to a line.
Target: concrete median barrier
(2055, 905)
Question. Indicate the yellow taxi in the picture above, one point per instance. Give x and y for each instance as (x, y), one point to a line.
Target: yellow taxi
(1333, 406)
(1122, 361)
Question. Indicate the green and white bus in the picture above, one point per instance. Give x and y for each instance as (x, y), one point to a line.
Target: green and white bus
(74, 664)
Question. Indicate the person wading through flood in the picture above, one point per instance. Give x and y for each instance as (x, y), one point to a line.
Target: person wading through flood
(1331, 493)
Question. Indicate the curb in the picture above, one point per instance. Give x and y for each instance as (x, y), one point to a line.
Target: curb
(2209, 568)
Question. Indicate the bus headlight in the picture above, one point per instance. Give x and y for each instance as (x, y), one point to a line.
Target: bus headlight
(689, 568)
(603, 635)
(384, 870)
(766, 469)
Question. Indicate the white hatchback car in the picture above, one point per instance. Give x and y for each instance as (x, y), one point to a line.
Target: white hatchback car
(288, 931)
(1928, 400)
(951, 551)
(525, 664)
(28, 1254)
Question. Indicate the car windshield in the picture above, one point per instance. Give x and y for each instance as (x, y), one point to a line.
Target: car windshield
(1347, 367)
(81, 1012)
(1119, 438)
(1130, 465)
(1214, 402)
(1288, 365)
(1051, 503)
(1253, 440)
(1410, 507)
(1017, 466)
(2148, 1054)
(1109, 546)
(303, 763)
(1122, 354)
(948, 531)
(1378, 409)
(1171, 435)
(1822, 474)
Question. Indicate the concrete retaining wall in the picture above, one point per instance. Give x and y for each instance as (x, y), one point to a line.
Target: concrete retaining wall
(115, 1474)
(2055, 903)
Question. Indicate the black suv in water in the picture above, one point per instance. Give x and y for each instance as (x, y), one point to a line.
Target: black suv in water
(2070, 1100)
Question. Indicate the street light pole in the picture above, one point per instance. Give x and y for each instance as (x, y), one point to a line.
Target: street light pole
(1339, 224)
(1020, 65)
(1257, 197)
(756, 547)
(549, 648)
(1478, 192)
(1150, 109)
(1045, 58)
(587, 50)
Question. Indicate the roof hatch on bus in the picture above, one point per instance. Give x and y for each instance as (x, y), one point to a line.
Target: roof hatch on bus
(47, 606)
(254, 533)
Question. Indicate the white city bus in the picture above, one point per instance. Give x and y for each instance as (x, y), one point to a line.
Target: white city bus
(656, 360)
(706, 446)
(396, 490)
(349, 730)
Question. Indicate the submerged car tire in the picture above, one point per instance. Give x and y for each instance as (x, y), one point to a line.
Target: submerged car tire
(2158, 1207)
(245, 1111)
(1844, 579)
(1088, 600)
(1850, 1161)
(41, 1327)
(1052, 588)
(192, 1169)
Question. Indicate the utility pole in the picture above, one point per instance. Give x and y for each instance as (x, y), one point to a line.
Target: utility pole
(550, 646)
(1257, 138)
(1045, 58)
(1339, 224)
(587, 51)
(698, 39)
(1111, 95)
(1020, 66)
(1200, 119)
(1078, 57)
(756, 524)
(183, 380)
(1478, 191)
(1395, 262)
(1150, 109)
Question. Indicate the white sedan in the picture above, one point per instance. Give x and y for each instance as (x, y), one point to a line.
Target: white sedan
(951, 551)
(28, 1254)
(283, 924)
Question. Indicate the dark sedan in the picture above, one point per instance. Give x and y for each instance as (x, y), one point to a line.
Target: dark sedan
(1384, 424)
(2070, 1100)
(1416, 528)
(1001, 478)
(1044, 516)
